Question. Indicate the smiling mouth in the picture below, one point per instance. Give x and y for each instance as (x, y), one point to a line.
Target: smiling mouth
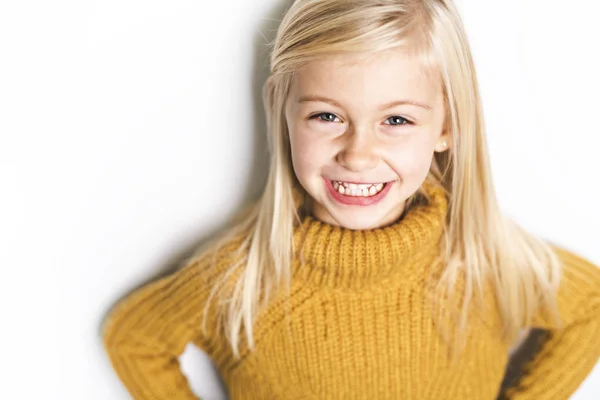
(355, 194)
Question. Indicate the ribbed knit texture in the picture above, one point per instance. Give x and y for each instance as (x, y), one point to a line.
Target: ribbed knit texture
(357, 325)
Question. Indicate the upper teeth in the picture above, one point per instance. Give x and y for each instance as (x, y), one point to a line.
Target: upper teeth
(353, 189)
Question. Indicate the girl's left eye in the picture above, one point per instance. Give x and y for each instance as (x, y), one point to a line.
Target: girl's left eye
(398, 119)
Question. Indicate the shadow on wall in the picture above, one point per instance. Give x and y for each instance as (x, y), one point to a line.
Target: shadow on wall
(265, 33)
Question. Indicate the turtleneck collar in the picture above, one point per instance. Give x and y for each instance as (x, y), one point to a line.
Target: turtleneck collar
(339, 257)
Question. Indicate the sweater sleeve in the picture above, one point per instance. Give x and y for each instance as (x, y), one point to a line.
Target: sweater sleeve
(147, 331)
(565, 357)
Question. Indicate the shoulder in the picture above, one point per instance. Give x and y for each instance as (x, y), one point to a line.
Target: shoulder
(578, 296)
(214, 260)
(580, 278)
(577, 267)
(189, 286)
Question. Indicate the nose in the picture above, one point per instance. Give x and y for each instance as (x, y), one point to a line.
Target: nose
(359, 152)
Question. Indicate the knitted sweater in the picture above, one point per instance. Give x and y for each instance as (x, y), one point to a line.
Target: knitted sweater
(356, 325)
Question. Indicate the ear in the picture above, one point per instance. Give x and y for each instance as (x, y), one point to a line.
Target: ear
(269, 82)
(267, 91)
(443, 143)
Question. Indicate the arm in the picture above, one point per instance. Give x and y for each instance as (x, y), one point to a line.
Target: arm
(565, 357)
(147, 331)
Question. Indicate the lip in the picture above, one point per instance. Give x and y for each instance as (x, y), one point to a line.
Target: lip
(357, 200)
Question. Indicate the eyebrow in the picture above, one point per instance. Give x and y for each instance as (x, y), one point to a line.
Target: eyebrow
(382, 107)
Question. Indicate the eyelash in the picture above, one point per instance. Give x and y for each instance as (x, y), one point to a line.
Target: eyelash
(408, 122)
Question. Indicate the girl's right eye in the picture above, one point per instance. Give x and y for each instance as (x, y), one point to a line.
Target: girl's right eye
(323, 114)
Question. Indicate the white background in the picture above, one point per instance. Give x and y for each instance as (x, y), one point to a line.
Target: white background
(130, 130)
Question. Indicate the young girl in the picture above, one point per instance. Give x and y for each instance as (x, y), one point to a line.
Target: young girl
(376, 264)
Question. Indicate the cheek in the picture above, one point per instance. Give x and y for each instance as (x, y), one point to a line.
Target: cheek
(410, 160)
(308, 154)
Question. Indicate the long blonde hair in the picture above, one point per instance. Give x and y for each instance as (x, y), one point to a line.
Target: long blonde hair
(480, 244)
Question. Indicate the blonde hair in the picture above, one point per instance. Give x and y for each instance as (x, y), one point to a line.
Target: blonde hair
(479, 243)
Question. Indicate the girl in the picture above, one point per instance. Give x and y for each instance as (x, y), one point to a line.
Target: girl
(376, 264)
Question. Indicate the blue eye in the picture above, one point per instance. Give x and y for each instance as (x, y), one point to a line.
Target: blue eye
(320, 115)
(407, 122)
(400, 120)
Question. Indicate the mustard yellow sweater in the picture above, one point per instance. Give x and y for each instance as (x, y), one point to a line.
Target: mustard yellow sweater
(358, 328)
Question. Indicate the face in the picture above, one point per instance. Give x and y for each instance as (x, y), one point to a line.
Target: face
(355, 122)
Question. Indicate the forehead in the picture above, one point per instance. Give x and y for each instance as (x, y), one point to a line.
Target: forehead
(363, 81)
